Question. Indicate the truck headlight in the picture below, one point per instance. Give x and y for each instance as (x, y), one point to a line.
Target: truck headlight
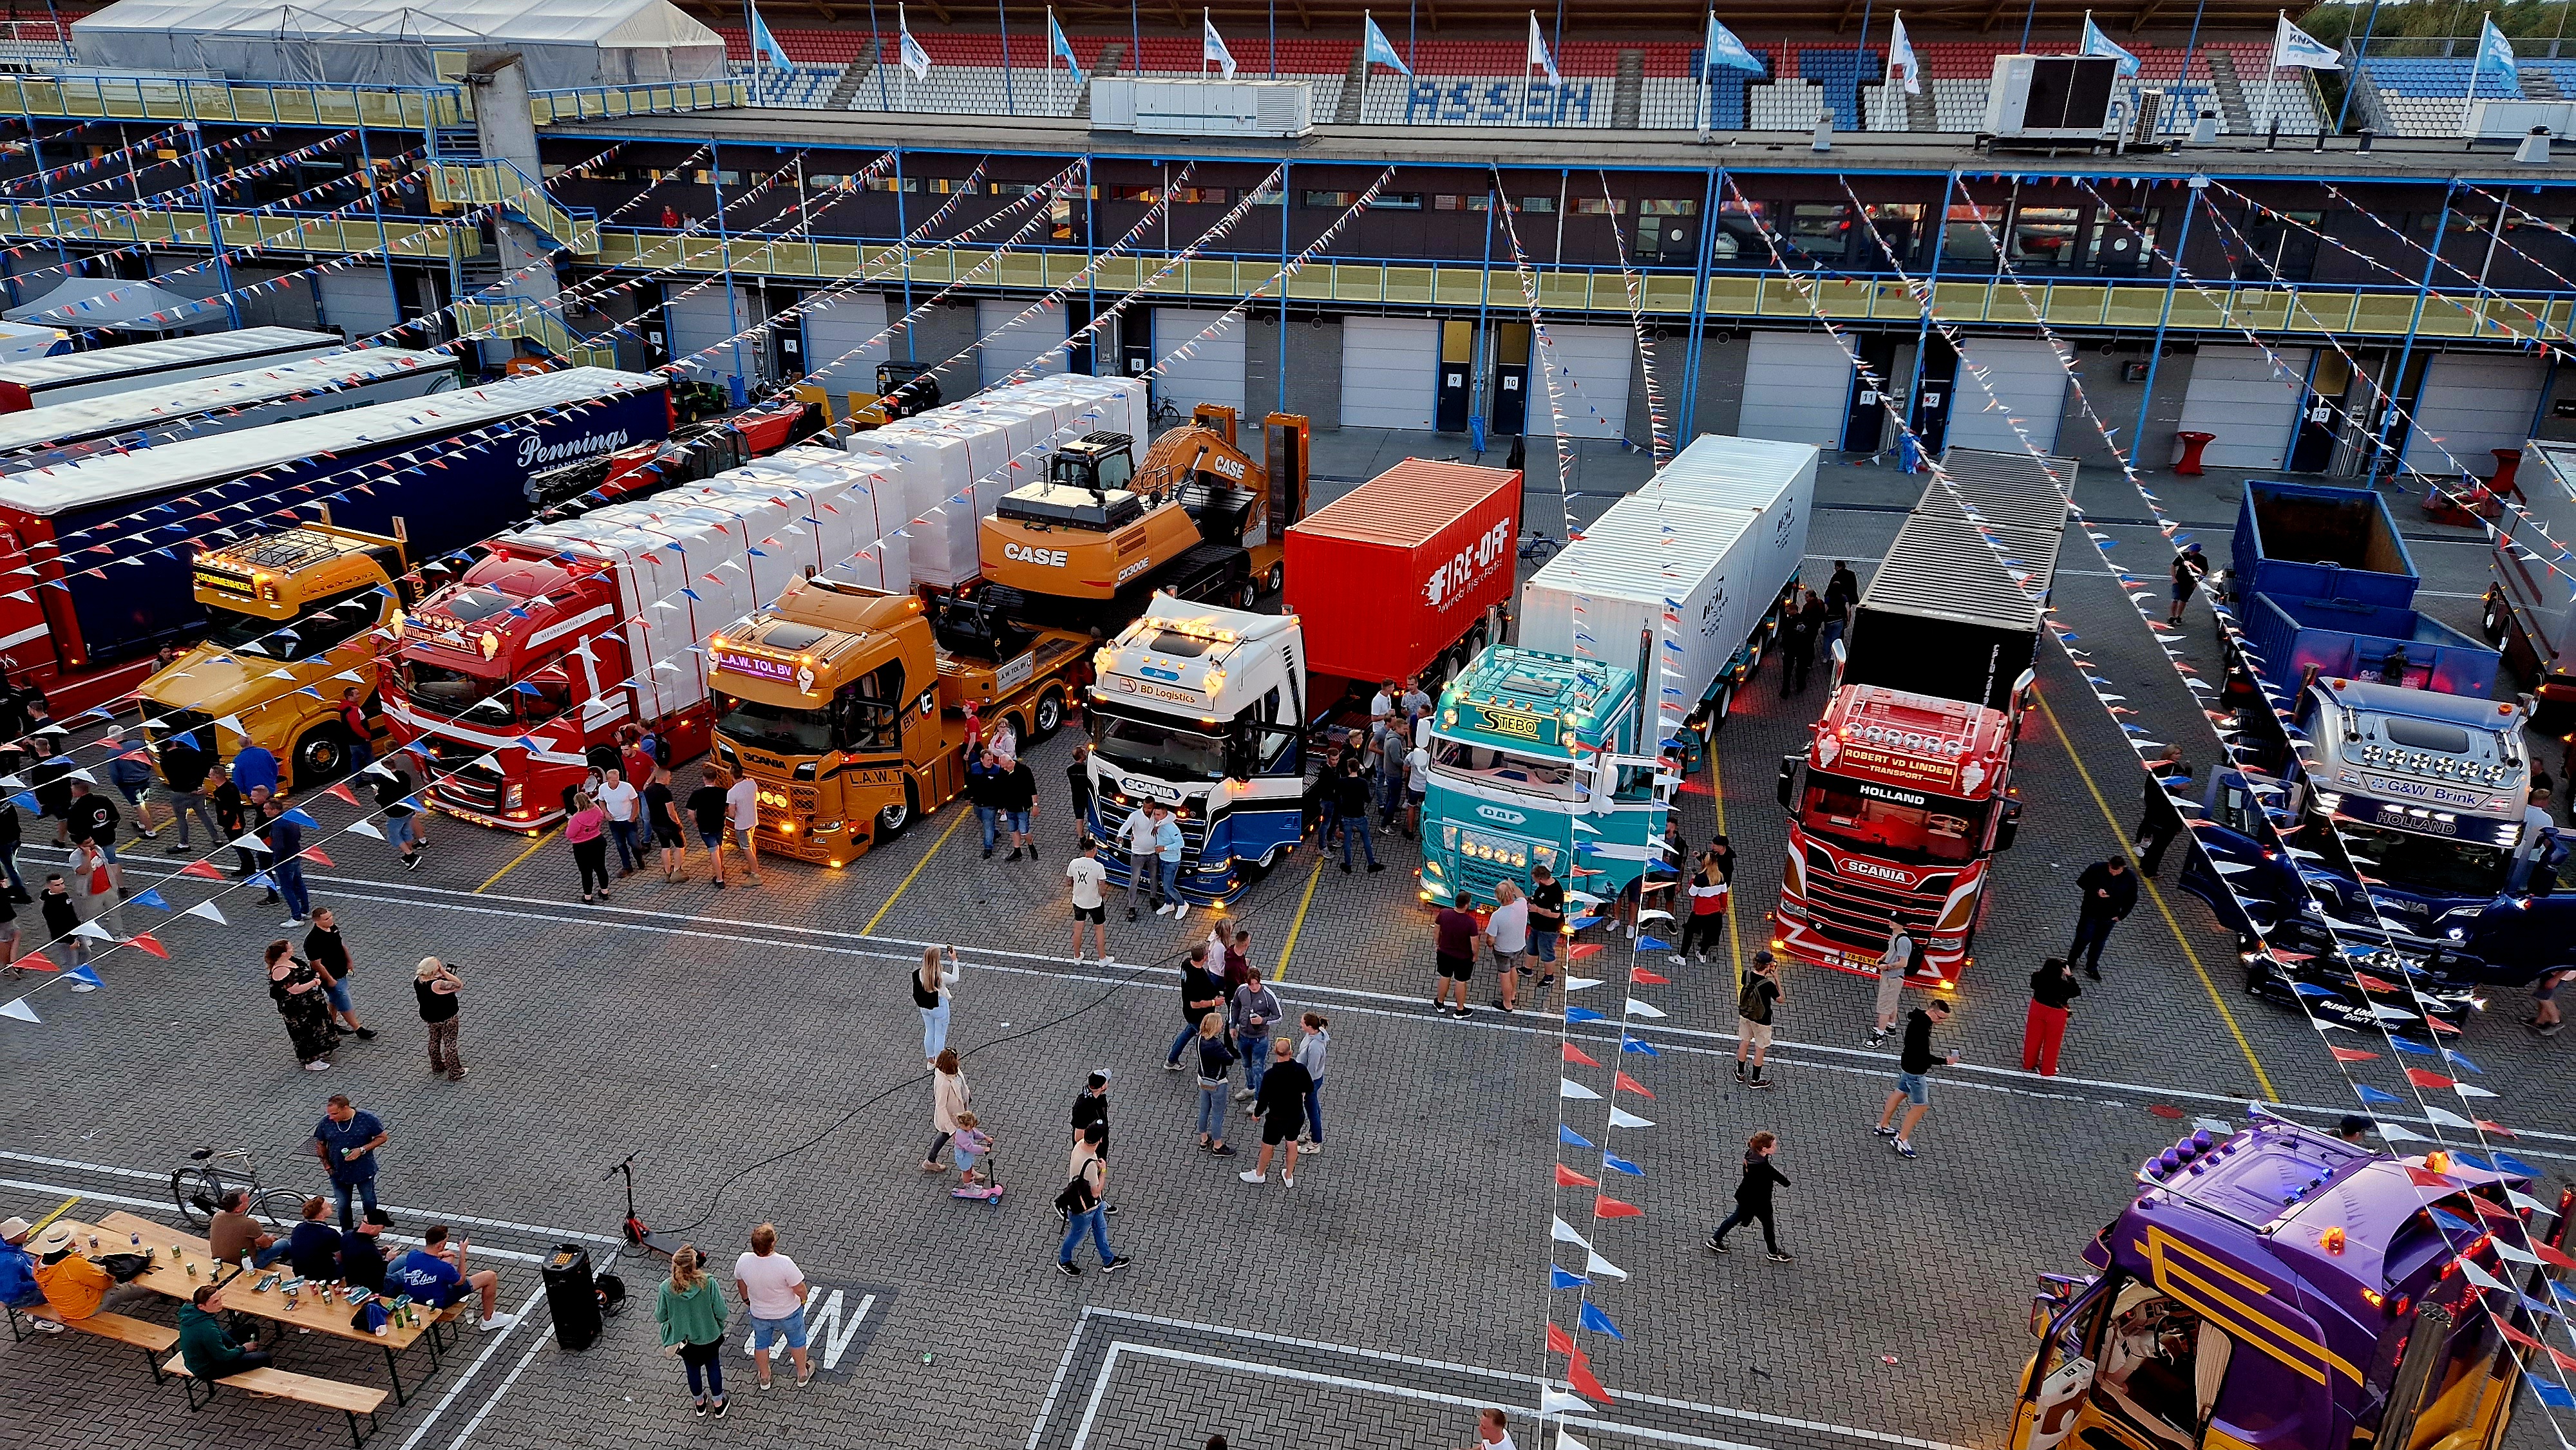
(515, 797)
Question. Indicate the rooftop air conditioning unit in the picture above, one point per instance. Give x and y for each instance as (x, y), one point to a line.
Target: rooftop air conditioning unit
(1153, 106)
(2050, 97)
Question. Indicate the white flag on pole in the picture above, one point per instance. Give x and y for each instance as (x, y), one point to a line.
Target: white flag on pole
(2293, 47)
(915, 59)
(1538, 56)
(1900, 56)
(1212, 46)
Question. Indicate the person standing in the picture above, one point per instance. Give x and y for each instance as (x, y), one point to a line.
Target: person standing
(1507, 937)
(1077, 779)
(1753, 1010)
(1893, 964)
(1216, 1059)
(1914, 1076)
(2159, 819)
(328, 951)
(1087, 876)
(984, 789)
(232, 817)
(1797, 649)
(393, 790)
(1137, 836)
(1281, 1107)
(949, 1095)
(1255, 1008)
(92, 819)
(623, 802)
(10, 826)
(2110, 893)
(585, 830)
(1202, 994)
(2544, 1018)
(742, 812)
(285, 837)
(353, 718)
(255, 768)
(98, 888)
(1417, 774)
(1453, 955)
(297, 990)
(2188, 566)
(130, 772)
(1091, 1107)
(1546, 923)
(772, 1289)
(662, 821)
(707, 810)
(346, 1141)
(1707, 920)
(1349, 796)
(691, 1312)
(1491, 1431)
(1753, 1197)
(930, 993)
(49, 779)
(62, 923)
(1312, 1047)
(2537, 824)
(1084, 1200)
(2043, 1028)
(436, 986)
(1167, 864)
(1017, 791)
(184, 770)
(1842, 591)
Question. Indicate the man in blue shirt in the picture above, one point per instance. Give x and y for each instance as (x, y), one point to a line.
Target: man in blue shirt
(18, 1286)
(435, 1274)
(255, 769)
(346, 1141)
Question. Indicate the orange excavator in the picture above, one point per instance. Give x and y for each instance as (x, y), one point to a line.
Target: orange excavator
(1199, 520)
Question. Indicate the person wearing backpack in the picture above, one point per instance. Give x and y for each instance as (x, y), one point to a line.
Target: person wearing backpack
(1893, 964)
(1086, 1185)
(1753, 1006)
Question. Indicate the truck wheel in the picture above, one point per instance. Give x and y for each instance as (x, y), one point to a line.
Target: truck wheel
(1276, 581)
(322, 755)
(892, 820)
(1725, 706)
(1049, 715)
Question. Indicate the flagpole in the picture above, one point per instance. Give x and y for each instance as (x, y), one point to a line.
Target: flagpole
(1050, 60)
(876, 56)
(1207, 22)
(903, 25)
(1525, 70)
(1865, 6)
(1707, 86)
(1002, 15)
(751, 37)
(2188, 46)
(2349, 80)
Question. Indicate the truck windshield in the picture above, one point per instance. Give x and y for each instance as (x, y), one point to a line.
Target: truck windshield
(324, 625)
(787, 729)
(1505, 770)
(1865, 816)
(456, 695)
(2434, 865)
(1155, 748)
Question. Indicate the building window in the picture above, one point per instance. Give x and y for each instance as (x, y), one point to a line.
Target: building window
(1333, 199)
(1201, 195)
(1601, 206)
(1967, 240)
(1655, 206)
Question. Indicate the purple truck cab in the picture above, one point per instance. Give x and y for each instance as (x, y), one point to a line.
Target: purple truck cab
(2281, 1289)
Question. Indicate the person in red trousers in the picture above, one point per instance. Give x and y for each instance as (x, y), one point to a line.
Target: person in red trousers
(2052, 987)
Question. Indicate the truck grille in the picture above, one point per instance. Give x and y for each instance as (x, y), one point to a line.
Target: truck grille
(475, 787)
(1853, 914)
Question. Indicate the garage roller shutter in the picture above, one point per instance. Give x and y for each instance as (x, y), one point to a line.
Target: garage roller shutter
(358, 301)
(831, 334)
(1796, 388)
(700, 326)
(1213, 370)
(1017, 341)
(2472, 402)
(1390, 368)
(2247, 405)
(2029, 385)
(1590, 379)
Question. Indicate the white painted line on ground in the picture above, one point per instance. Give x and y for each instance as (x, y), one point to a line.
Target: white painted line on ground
(1063, 1366)
(127, 1200)
(504, 1388)
(422, 1430)
(433, 1215)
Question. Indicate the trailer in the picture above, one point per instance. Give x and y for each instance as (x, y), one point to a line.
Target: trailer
(199, 407)
(69, 377)
(2531, 606)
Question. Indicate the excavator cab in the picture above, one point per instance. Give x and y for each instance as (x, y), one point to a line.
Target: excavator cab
(1095, 462)
(903, 389)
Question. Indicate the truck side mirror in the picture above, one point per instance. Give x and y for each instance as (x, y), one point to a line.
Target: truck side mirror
(2009, 829)
(1788, 777)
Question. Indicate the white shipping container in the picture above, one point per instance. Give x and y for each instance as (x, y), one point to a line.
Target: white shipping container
(1594, 598)
(1772, 478)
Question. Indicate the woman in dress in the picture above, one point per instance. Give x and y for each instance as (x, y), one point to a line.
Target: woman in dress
(297, 990)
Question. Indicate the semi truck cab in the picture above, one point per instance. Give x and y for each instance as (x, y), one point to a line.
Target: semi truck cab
(297, 609)
(2278, 1289)
(1198, 708)
(1519, 746)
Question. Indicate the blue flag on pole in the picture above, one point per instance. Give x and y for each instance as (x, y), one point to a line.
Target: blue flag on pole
(765, 46)
(1059, 46)
(1725, 52)
(1376, 49)
(2495, 56)
(2096, 43)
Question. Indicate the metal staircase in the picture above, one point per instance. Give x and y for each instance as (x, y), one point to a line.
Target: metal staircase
(457, 182)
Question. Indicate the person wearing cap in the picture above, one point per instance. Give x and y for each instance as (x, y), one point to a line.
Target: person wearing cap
(18, 1286)
(362, 1256)
(1091, 1105)
(205, 1348)
(74, 1287)
(2354, 1128)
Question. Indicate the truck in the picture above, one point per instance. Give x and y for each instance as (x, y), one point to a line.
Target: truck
(1907, 793)
(2275, 1288)
(149, 417)
(2369, 837)
(2531, 605)
(1553, 749)
(512, 677)
(694, 451)
(67, 377)
(1208, 709)
(108, 540)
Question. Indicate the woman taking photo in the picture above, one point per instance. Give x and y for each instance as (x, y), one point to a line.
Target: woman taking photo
(297, 990)
(930, 993)
(691, 1311)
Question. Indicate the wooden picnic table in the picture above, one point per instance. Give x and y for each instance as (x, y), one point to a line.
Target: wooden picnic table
(241, 1293)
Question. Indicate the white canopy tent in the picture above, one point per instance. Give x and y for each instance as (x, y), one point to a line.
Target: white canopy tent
(87, 302)
(392, 42)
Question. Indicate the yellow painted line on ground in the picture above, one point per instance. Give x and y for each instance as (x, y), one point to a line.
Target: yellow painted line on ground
(1717, 792)
(60, 1209)
(906, 883)
(1298, 923)
(2216, 999)
(548, 835)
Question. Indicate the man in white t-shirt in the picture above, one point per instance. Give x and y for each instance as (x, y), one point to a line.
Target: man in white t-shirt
(772, 1288)
(1382, 704)
(1142, 875)
(1507, 933)
(1090, 908)
(742, 813)
(1491, 1431)
(621, 801)
(1417, 784)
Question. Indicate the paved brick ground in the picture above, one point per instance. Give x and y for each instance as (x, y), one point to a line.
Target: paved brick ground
(757, 1051)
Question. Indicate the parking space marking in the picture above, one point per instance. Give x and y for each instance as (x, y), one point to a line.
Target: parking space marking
(908, 877)
(548, 835)
(1298, 922)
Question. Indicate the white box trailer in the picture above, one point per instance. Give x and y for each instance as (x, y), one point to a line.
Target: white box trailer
(1596, 598)
(1775, 479)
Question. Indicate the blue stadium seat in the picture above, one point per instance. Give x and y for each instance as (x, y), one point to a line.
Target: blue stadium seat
(1727, 88)
(1841, 73)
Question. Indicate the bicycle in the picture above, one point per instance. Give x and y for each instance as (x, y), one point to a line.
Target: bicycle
(199, 1189)
(1537, 545)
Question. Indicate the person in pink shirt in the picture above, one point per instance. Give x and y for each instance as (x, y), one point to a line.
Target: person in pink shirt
(585, 827)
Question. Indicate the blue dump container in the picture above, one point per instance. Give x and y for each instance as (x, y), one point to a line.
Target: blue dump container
(2308, 541)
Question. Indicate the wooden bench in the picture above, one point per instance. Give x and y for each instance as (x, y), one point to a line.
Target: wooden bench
(153, 1339)
(304, 1389)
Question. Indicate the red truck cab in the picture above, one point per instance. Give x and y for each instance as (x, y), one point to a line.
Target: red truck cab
(1906, 800)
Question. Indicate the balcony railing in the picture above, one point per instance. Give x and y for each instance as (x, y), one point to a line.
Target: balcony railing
(184, 98)
(493, 181)
(662, 99)
(119, 225)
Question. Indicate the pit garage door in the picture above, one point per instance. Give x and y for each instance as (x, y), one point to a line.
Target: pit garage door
(1589, 373)
(1212, 372)
(833, 334)
(1390, 371)
(701, 327)
(2245, 404)
(2472, 402)
(1018, 341)
(2029, 387)
(359, 301)
(1797, 388)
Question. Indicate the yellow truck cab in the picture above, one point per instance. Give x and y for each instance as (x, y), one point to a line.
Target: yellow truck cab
(292, 619)
(846, 707)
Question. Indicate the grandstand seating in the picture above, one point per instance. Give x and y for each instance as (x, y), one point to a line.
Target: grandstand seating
(2429, 95)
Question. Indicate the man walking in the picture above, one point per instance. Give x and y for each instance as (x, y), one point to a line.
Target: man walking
(772, 1288)
(184, 769)
(2159, 821)
(1762, 992)
(2110, 893)
(346, 1141)
(393, 788)
(328, 951)
(1454, 955)
(984, 790)
(285, 837)
(1914, 1066)
(1090, 908)
(1282, 1110)
(1017, 791)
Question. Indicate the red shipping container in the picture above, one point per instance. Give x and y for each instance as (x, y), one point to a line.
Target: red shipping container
(1390, 574)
